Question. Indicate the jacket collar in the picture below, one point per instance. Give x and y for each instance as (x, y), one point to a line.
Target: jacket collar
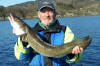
(55, 28)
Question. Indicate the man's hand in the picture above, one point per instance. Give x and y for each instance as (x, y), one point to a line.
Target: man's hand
(77, 50)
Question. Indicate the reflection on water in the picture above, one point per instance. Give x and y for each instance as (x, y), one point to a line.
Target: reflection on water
(81, 26)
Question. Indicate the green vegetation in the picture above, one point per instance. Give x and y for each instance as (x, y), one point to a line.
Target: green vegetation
(64, 8)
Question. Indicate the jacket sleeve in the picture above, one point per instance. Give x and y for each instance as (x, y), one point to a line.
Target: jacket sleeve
(74, 59)
(21, 51)
(69, 36)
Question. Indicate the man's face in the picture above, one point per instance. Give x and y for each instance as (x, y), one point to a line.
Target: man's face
(46, 15)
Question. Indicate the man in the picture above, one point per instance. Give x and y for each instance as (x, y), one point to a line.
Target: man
(51, 32)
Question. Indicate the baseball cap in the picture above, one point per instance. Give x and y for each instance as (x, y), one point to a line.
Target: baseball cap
(46, 4)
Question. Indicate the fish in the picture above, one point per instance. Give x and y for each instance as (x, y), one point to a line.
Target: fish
(44, 48)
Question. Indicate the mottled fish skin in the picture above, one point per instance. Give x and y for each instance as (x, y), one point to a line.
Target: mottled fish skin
(47, 49)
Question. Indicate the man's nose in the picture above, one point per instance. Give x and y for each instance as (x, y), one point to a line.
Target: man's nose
(47, 14)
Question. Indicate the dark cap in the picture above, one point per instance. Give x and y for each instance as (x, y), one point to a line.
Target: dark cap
(45, 4)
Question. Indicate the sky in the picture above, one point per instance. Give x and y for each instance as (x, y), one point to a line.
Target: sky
(12, 2)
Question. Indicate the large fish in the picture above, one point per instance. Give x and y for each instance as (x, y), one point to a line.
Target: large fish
(42, 47)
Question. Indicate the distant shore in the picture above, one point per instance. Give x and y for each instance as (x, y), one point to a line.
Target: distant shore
(66, 15)
(64, 8)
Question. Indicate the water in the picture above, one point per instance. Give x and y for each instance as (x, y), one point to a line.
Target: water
(81, 26)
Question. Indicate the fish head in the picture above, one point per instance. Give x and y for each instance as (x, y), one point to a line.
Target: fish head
(17, 24)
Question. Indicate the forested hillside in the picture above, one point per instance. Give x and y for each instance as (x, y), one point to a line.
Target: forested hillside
(64, 8)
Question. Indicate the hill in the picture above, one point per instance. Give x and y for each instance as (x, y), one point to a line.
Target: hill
(64, 8)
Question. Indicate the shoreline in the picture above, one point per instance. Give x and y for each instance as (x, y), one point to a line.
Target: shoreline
(58, 16)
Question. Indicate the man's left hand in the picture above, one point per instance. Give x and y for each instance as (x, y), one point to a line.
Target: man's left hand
(77, 50)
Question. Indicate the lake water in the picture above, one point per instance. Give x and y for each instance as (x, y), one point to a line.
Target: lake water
(81, 26)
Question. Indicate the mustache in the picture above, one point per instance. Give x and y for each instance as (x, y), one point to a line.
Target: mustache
(47, 18)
